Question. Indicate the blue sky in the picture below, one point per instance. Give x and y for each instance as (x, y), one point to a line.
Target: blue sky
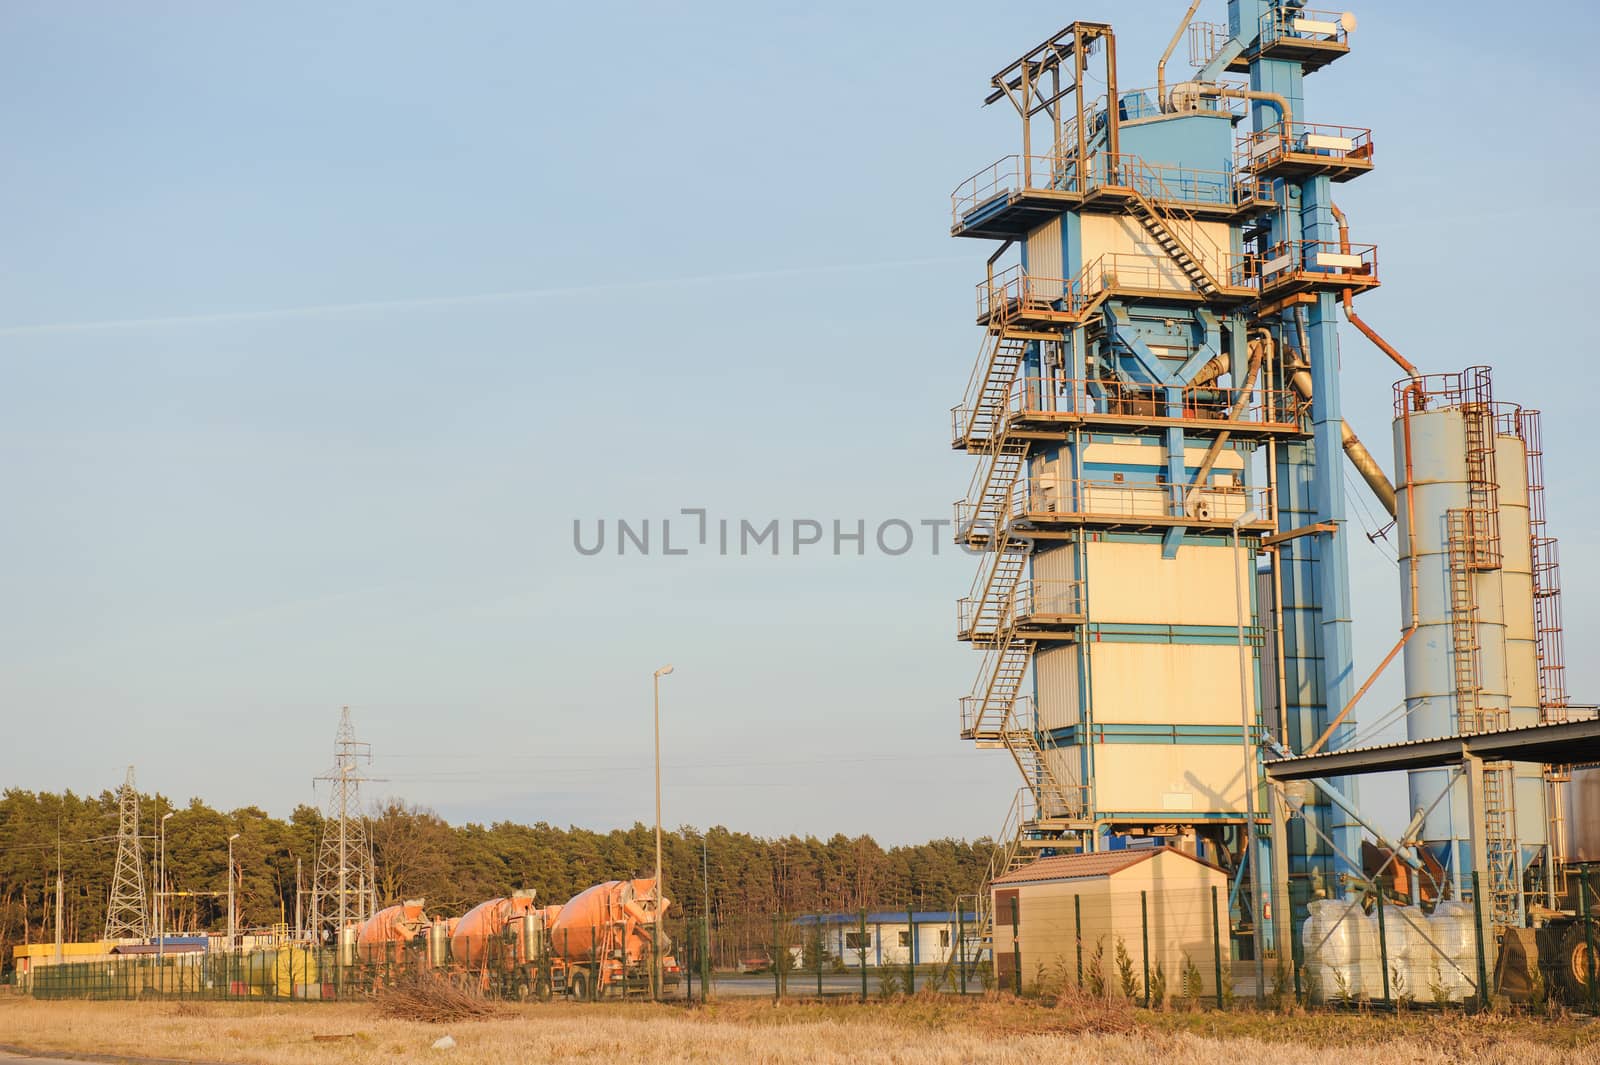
(320, 325)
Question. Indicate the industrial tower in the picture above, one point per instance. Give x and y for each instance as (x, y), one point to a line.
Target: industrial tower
(1159, 501)
(343, 883)
(128, 913)
(1155, 410)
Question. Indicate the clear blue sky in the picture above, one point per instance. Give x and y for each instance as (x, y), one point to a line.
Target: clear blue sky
(318, 329)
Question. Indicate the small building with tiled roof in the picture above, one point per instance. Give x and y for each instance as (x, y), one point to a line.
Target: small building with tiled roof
(1053, 912)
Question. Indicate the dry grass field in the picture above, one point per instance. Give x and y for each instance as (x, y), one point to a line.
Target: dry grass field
(916, 1030)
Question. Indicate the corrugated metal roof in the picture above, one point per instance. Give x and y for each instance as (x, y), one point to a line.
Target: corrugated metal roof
(1081, 866)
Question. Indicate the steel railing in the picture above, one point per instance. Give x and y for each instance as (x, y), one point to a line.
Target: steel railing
(1303, 24)
(1031, 601)
(1001, 179)
(1119, 271)
(1272, 144)
(1039, 398)
(1319, 260)
(1061, 172)
(1043, 497)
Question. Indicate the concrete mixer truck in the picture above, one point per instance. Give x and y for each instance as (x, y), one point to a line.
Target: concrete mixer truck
(385, 943)
(602, 941)
(503, 946)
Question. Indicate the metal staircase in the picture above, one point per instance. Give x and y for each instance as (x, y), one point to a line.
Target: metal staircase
(1152, 219)
(989, 391)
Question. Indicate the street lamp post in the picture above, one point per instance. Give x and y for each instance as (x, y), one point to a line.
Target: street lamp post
(161, 889)
(655, 928)
(1246, 703)
(230, 890)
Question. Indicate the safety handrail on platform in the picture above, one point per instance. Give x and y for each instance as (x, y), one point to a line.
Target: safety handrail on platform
(1004, 177)
(1044, 497)
(1270, 145)
(1119, 271)
(1044, 397)
(1013, 174)
(1014, 293)
(1320, 260)
(1031, 600)
(1327, 27)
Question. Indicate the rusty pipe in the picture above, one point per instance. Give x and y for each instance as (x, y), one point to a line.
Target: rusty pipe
(1258, 351)
(1172, 46)
(1349, 308)
(1407, 405)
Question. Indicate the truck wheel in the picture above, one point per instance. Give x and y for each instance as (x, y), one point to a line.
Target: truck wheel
(580, 987)
(1573, 964)
(541, 990)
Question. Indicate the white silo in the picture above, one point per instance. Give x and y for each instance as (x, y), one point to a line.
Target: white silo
(1473, 664)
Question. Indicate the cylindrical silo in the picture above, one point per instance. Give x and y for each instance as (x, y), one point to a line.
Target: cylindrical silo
(1522, 649)
(1458, 599)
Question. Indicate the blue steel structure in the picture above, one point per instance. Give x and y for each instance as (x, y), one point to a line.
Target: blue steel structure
(1163, 245)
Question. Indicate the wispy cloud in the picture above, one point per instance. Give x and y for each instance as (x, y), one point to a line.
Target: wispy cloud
(432, 302)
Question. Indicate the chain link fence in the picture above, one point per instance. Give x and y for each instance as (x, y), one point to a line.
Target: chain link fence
(1157, 948)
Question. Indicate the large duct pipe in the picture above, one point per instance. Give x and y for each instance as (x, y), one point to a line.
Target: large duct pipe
(1285, 112)
(1172, 46)
(1364, 461)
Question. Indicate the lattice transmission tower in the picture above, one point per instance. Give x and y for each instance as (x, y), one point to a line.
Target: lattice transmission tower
(128, 913)
(342, 887)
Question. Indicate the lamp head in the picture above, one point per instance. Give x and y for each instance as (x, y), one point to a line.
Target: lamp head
(663, 671)
(233, 837)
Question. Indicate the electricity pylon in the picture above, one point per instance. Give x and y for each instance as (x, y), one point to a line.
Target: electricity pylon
(342, 886)
(128, 914)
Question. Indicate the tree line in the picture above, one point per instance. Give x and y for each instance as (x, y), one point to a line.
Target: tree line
(743, 879)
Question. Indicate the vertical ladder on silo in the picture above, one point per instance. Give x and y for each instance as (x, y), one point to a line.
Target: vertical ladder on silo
(1502, 854)
(1460, 524)
(1483, 488)
(1549, 639)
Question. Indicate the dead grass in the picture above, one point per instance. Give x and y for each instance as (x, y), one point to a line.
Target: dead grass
(915, 1030)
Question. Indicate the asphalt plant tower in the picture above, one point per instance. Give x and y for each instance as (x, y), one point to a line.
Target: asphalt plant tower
(1159, 500)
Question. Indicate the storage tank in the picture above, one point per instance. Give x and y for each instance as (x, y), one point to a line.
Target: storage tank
(1463, 465)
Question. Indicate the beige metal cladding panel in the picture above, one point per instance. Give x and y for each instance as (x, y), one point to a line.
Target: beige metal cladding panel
(1044, 250)
(1167, 778)
(1125, 235)
(1053, 564)
(1132, 583)
(1056, 672)
(1150, 454)
(1156, 683)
